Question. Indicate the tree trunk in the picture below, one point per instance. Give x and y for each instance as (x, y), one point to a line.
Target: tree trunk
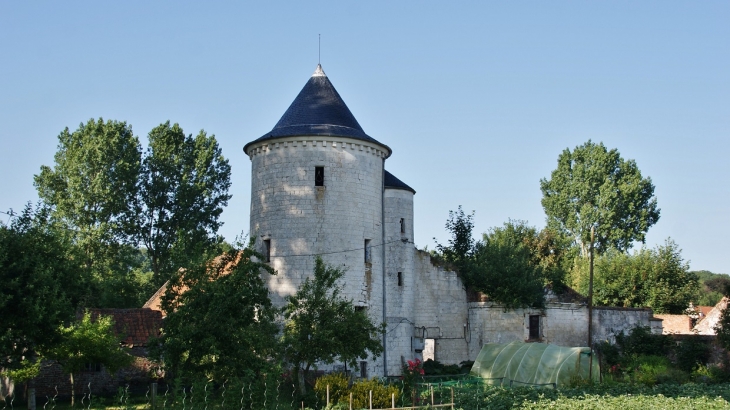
(300, 380)
(71, 376)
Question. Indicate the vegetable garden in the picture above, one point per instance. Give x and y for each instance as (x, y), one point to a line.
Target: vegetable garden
(469, 393)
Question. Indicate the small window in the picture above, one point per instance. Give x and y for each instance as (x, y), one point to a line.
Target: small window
(267, 250)
(402, 225)
(368, 251)
(534, 327)
(318, 176)
(364, 369)
(400, 278)
(360, 308)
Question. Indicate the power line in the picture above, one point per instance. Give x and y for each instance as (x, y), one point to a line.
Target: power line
(343, 251)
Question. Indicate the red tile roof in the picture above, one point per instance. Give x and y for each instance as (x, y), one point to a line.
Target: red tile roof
(137, 326)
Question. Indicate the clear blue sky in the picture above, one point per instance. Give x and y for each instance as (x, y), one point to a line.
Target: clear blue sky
(476, 99)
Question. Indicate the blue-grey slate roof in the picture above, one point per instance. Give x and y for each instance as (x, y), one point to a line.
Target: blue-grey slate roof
(391, 182)
(317, 110)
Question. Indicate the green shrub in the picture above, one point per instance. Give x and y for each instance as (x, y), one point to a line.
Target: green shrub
(691, 353)
(339, 385)
(640, 341)
(720, 374)
(672, 376)
(645, 369)
(435, 368)
(381, 394)
(609, 354)
(711, 374)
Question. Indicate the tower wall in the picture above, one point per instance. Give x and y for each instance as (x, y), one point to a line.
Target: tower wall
(400, 277)
(302, 220)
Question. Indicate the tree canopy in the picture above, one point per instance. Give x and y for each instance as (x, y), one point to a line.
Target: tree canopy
(182, 191)
(712, 288)
(322, 326)
(502, 269)
(89, 190)
(220, 321)
(511, 264)
(40, 286)
(594, 186)
(89, 341)
(135, 219)
(658, 278)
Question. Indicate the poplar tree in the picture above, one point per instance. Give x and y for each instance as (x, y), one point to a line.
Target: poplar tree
(594, 186)
(89, 188)
(182, 192)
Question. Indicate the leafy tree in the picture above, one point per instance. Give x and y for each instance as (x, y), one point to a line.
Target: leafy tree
(657, 278)
(183, 189)
(40, 287)
(511, 264)
(593, 186)
(90, 187)
(640, 341)
(504, 269)
(712, 287)
(112, 200)
(460, 249)
(322, 326)
(549, 251)
(718, 284)
(89, 341)
(220, 321)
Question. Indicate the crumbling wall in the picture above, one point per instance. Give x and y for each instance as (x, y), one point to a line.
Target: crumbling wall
(440, 309)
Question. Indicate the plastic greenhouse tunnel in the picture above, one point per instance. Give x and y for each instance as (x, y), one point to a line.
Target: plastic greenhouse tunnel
(534, 364)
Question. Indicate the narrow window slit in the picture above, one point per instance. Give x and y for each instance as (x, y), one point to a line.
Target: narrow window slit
(267, 250)
(318, 176)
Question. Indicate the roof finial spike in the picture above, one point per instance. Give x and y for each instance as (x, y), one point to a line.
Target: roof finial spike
(319, 72)
(319, 50)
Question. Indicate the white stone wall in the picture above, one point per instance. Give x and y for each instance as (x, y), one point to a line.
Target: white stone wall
(610, 321)
(302, 220)
(440, 309)
(399, 258)
(562, 324)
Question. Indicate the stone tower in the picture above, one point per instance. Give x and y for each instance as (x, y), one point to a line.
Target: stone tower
(317, 186)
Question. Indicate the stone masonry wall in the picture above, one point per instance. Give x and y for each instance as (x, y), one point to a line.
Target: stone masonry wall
(400, 278)
(301, 220)
(440, 309)
(610, 321)
(563, 324)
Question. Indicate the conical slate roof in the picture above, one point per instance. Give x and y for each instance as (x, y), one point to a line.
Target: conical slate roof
(391, 182)
(317, 110)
